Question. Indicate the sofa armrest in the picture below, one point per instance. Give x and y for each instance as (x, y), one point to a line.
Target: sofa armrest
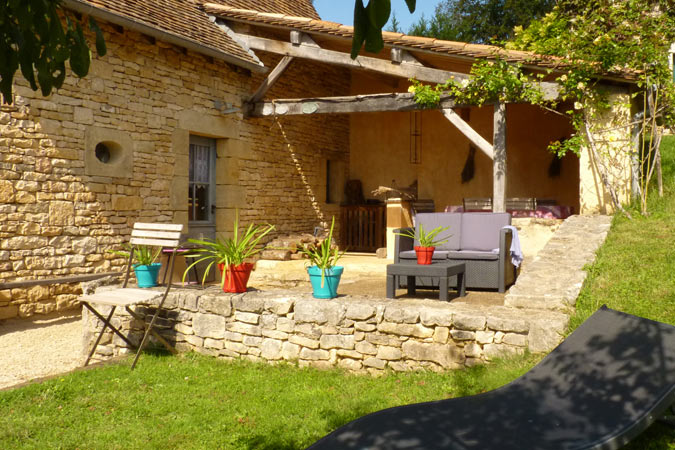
(402, 243)
(506, 268)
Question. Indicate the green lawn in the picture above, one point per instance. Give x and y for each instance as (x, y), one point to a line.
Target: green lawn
(196, 402)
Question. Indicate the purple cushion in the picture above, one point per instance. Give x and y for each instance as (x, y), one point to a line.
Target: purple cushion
(410, 254)
(433, 220)
(481, 230)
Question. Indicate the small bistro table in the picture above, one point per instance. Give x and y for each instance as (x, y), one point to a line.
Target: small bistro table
(442, 270)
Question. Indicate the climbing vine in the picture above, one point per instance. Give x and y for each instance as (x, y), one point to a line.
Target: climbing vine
(594, 40)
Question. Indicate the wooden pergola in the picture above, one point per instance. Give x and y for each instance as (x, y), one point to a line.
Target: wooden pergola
(402, 63)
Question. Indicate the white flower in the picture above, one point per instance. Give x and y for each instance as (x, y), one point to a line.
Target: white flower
(578, 105)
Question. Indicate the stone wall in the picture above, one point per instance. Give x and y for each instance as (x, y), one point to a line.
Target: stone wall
(354, 333)
(61, 208)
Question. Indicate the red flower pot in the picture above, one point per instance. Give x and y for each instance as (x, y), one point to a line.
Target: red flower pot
(424, 254)
(236, 277)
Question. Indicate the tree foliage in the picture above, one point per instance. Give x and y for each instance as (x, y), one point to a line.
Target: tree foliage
(480, 21)
(38, 37)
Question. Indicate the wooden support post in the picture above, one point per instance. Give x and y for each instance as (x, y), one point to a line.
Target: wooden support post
(471, 134)
(499, 160)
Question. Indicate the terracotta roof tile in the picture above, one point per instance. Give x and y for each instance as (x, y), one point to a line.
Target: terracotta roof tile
(423, 43)
(300, 8)
(182, 18)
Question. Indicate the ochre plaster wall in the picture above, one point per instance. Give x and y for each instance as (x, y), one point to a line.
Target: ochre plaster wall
(613, 147)
(58, 217)
(380, 155)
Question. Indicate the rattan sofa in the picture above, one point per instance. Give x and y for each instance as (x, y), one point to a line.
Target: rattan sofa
(477, 239)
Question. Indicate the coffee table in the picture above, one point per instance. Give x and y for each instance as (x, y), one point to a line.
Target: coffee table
(443, 270)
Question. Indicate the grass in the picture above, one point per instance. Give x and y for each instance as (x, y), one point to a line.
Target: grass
(196, 402)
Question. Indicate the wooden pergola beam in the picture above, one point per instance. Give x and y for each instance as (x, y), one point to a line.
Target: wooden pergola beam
(315, 53)
(471, 134)
(272, 78)
(340, 105)
(499, 160)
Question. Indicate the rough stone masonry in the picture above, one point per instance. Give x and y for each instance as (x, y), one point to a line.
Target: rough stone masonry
(360, 334)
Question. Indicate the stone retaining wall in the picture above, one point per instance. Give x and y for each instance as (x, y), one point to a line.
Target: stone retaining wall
(355, 333)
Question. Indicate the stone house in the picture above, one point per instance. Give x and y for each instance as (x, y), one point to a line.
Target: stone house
(175, 124)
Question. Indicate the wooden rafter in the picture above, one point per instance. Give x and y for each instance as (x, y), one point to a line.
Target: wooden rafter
(315, 53)
(271, 79)
(338, 105)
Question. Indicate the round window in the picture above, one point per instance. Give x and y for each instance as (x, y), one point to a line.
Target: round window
(102, 152)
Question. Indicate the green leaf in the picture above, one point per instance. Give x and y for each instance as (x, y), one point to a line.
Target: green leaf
(411, 5)
(378, 12)
(361, 23)
(100, 41)
(374, 42)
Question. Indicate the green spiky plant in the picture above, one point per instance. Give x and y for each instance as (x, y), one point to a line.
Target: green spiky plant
(426, 238)
(324, 255)
(229, 251)
(143, 255)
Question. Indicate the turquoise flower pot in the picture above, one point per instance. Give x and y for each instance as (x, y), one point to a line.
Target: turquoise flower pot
(330, 282)
(146, 276)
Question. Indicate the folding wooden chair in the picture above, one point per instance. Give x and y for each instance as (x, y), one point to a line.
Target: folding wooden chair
(166, 236)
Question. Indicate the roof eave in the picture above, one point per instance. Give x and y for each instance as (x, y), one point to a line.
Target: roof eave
(165, 36)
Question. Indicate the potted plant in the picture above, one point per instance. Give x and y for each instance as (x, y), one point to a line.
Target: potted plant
(144, 265)
(428, 241)
(230, 255)
(323, 272)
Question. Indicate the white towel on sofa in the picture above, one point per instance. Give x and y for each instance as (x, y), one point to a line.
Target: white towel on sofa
(516, 252)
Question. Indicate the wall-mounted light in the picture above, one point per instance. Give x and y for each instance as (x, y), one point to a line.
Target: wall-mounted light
(224, 107)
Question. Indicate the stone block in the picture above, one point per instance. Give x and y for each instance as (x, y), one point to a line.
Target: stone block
(279, 306)
(249, 303)
(9, 312)
(62, 213)
(274, 334)
(251, 318)
(471, 322)
(436, 317)
(383, 339)
(236, 347)
(245, 328)
(349, 354)
(126, 203)
(545, 334)
(359, 311)
(84, 246)
(491, 351)
(472, 350)
(366, 348)
(290, 350)
(213, 343)
(462, 335)
(271, 349)
(7, 192)
(375, 363)
(423, 332)
(396, 328)
(350, 364)
(364, 326)
(506, 325)
(443, 355)
(309, 330)
(314, 355)
(328, 341)
(252, 341)
(519, 340)
(401, 314)
(485, 337)
(209, 325)
(441, 335)
(216, 304)
(286, 325)
(499, 336)
(304, 342)
(319, 312)
(195, 341)
(234, 337)
(389, 353)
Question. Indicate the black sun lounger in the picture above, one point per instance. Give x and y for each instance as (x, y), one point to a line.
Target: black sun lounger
(605, 384)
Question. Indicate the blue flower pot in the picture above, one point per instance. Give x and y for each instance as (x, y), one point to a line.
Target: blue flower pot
(146, 276)
(330, 281)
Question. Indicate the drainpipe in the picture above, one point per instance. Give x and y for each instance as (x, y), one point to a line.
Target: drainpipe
(83, 7)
